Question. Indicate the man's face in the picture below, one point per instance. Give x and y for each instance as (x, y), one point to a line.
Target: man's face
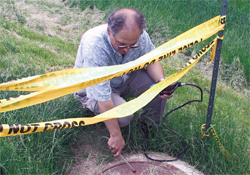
(124, 38)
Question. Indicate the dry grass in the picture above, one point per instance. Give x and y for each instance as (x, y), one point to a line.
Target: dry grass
(52, 18)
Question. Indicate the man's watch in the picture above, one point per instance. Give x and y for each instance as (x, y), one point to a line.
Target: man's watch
(161, 79)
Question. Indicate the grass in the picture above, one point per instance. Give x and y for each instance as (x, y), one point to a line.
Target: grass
(26, 49)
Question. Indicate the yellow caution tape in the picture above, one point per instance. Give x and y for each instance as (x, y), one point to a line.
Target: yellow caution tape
(203, 127)
(212, 55)
(117, 112)
(60, 83)
(224, 150)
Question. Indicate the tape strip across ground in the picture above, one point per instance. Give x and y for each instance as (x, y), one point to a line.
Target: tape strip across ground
(117, 112)
(81, 78)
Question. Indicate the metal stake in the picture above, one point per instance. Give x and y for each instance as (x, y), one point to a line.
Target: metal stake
(134, 171)
(215, 69)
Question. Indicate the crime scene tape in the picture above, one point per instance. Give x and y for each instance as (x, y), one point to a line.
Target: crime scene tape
(206, 134)
(60, 83)
(117, 112)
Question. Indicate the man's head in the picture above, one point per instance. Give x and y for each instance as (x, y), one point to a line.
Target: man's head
(125, 18)
(124, 28)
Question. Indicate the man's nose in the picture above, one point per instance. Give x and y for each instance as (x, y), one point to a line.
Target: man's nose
(126, 49)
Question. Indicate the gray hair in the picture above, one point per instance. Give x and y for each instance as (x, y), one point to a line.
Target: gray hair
(116, 22)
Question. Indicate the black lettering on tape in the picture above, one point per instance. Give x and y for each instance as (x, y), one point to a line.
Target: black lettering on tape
(65, 124)
(160, 58)
(152, 62)
(199, 54)
(74, 124)
(137, 68)
(204, 49)
(23, 128)
(1, 128)
(13, 128)
(195, 57)
(35, 127)
(48, 125)
(223, 20)
(81, 123)
(130, 71)
(146, 64)
(211, 42)
(57, 126)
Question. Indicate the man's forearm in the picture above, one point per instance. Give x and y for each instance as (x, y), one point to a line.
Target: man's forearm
(111, 124)
(155, 71)
(116, 141)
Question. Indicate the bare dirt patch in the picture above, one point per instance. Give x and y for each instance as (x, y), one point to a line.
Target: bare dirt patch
(91, 166)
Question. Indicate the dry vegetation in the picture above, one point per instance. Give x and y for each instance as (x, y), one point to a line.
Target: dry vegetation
(52, 18)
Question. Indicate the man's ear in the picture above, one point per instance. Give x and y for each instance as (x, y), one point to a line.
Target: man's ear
(109, 33)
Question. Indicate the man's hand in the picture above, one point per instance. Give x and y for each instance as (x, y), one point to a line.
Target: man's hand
(116, 144)
(168, 91)
(165, 96)
(116, 141)
(156, 72)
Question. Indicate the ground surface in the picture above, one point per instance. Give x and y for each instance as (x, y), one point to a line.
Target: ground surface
(91, 166)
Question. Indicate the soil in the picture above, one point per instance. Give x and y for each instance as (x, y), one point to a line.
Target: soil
(91, 166)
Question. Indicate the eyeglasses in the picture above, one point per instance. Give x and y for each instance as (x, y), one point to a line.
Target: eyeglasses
(127, 46)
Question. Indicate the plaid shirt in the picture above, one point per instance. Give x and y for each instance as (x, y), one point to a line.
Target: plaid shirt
(96, 50)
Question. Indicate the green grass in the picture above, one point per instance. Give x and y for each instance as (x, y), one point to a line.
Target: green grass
(25, 52)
